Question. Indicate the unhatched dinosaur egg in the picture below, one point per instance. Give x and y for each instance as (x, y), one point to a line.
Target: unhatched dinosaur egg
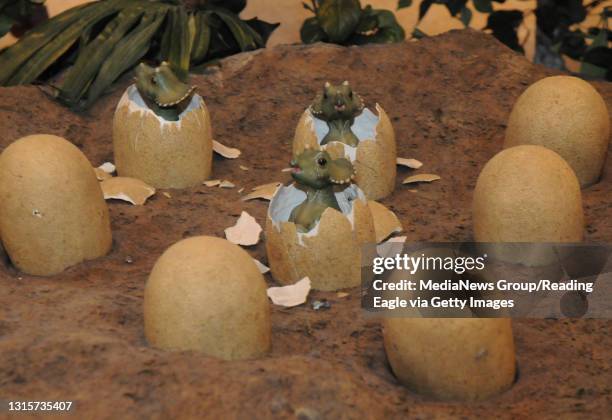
(527, 194)
(52, 212)
(565, 114)
(207, 294)
(451, 358)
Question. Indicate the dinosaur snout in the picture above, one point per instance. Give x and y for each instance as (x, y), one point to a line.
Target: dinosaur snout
(340, 105)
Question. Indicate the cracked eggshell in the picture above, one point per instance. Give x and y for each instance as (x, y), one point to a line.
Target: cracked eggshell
(374, 158)
(207, 294)
(330, 253)
(451, 358)
(567, 115)
(53, 214)
(164, 154)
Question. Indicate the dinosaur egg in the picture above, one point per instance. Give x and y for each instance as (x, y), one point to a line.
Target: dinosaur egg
(527, 194)
(162, 153)
(565, 114)
(330, 253)
(374, 157)
(451, 358)
(207, 294)
(52, 212)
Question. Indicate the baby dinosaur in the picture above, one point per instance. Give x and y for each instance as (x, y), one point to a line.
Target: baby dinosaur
(316, 173)
(338, 106)
(163, 92)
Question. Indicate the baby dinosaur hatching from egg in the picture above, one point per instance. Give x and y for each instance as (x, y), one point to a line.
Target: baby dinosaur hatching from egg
(162, 90)
(338, 106)
(316, 173)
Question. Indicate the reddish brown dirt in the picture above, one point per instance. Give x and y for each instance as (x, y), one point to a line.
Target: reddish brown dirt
(79, 335)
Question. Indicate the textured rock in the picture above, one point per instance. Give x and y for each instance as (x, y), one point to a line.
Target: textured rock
(80, 335)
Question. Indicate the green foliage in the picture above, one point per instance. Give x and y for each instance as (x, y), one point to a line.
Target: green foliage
(94, 44)
(345, 22)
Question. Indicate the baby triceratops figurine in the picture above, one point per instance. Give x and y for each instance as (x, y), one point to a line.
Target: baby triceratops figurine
(317, 173)
(163, 92)
(338, 106)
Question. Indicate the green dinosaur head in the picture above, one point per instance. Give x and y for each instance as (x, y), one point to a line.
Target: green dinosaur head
(337, 103)
(316, 169)
(161, 85)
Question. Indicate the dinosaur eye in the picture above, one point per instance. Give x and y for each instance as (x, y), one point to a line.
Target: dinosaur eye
(153, 80)
(322, 161)
(351, 94)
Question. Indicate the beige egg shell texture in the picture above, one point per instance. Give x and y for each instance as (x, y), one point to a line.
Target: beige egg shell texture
(567, 115)
(374, 158)
(207, 294)
(451, 358)
(164, 154)
(330, 253)
(53, 214)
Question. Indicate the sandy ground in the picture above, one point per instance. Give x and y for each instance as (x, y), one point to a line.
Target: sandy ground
(79, 335)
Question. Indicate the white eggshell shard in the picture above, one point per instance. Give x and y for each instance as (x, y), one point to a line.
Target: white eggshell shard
(164, 154)
(374, 157)
(245, 232)
(127, 189)
(330, 253)
(291, 295)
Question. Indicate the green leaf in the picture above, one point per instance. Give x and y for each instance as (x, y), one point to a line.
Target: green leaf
(483, 6)
(418, 34)
(403, 3)
(201, 40)
(311, 32)
(13, 57)
(93, 55)
(6, 23)
(339, 18)
(126, 53)
(591, 70)
(246, 37)
(466, 16)
(179, 53)
(53, 50)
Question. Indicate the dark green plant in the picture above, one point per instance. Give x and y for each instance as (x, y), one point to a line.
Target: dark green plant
(557, 30)
(345, 22)
(93, 44)
(17, 16)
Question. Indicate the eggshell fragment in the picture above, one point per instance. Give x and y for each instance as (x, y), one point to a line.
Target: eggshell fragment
(212, 183)
(164, 154)
(265, 192)
(291, 295)
(263, 269)
(567, 115)
(451, 358)
(127, 189)
(225, 151)
(101, 175)
(409, 163)
(206, 294)
(374, 158)
(245, 232)
(52, 212)
(386, 222)
(421, 178)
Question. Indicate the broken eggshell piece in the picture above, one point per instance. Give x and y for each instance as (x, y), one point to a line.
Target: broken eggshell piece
(330, 253)
(374, 158)
(164, 154)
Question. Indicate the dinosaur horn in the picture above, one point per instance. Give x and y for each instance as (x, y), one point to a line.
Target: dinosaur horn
(327, 85)
(345, 83)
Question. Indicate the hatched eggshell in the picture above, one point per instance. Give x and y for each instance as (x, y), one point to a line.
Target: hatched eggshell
(225, 151)
(164, 154)
(421, 178)
(245, 232)
(451, 358)
(386, 222)
(374, 159)
(127, 189)
(565, 114)
(291, 295)
(330, 254)
(53, 214)
(207, 294)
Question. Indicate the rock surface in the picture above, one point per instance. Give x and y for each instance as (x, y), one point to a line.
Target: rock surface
(79, 335)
